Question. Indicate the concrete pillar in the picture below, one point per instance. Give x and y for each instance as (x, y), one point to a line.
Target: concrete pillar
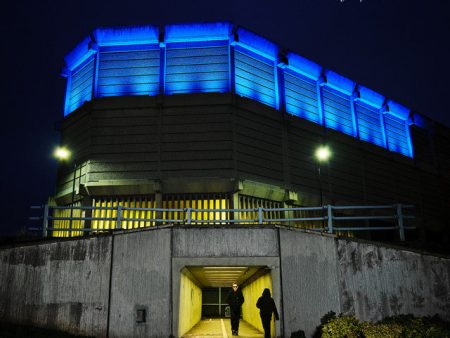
(235, 205)
(158, 204)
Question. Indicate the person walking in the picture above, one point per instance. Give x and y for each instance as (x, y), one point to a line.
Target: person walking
(235, 300)
(266, 306)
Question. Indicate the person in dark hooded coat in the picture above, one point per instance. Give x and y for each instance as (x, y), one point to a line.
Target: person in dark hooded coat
(266, 306)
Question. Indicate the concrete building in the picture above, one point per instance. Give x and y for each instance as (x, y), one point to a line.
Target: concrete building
(195, 144)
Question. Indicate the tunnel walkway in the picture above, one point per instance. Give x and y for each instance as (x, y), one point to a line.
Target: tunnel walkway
(221, 328)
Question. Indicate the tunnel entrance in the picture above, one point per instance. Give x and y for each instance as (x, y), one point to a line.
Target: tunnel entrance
(203, 298)
(215, 283)
(200, 287)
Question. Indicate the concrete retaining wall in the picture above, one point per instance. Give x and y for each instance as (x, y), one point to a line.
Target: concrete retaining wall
(62, 285)
(141, 280)
(322, 274)
(68, 284)
(376, 281)
(310, 286)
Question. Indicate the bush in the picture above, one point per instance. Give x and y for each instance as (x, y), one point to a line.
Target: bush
(324, 320)
(415, 327)
(342, 327)
(392, 330)
(403, 326)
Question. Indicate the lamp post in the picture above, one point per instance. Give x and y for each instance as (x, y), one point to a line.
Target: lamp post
(322, 155)
(63, 154)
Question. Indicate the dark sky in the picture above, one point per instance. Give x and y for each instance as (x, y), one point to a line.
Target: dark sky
(399, 48)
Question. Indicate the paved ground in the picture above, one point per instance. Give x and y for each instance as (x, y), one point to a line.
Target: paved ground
(221, 328)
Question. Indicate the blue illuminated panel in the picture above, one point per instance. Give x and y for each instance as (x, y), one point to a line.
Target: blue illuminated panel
(81, 82)
(192, 69)
(255, 78)
(128, 72)
(369, 124)
(336, 107)
(397, 134)
(193, 58)
(301, 96)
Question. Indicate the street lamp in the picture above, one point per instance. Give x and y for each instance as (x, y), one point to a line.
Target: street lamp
(322, 155)
(63, 154)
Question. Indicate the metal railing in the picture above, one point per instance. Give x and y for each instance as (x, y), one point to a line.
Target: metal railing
(327, 218)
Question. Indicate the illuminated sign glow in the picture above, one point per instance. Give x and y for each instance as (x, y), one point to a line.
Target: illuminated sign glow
(216, 57)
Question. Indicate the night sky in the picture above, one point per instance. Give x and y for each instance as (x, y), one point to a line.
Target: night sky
(399, 48)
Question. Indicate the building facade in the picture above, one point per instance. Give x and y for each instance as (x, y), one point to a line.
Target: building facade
(213, 116)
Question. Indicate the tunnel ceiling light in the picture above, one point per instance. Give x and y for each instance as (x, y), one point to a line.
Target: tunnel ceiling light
(223, 272)
(221, 279)
(224, 267)
(226, 281)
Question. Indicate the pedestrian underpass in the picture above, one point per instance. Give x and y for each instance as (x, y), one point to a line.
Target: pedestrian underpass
(203, 309)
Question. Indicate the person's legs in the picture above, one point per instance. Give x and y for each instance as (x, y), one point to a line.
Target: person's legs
(238, 318)
(235, 316)
(233, 319)
(266, 325)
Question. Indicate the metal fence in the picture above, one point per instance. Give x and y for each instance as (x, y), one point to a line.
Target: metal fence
(68, 221)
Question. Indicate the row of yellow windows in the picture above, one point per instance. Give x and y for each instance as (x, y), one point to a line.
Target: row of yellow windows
(104, 214)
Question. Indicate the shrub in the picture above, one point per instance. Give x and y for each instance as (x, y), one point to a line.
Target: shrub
(342, 327)
(402, 326)
(415, 327)
(381, 330)
(324, 320)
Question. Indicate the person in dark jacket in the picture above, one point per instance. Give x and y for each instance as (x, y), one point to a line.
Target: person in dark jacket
(235, 300)
(266, 306)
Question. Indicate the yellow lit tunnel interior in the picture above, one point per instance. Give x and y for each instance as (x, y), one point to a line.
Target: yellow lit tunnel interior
(191, 300)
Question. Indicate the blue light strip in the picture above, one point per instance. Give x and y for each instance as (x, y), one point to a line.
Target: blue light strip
(126, 36)
(303, 66)
(320, 83)
(213, 57)
(162, 69)
(231, 65)
(257, 44)
(67, 110)
(198, 32)
(280, 87)
(95, 84)
(354, 115)
(79, 54)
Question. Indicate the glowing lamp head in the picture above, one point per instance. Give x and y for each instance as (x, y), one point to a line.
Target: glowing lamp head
(61, 153)
(323, 153)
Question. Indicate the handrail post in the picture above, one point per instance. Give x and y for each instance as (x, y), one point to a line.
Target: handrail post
(330, 218)
(119, 217)
(188, 210)
(45, 221)
(401, 227)
(260, 216)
